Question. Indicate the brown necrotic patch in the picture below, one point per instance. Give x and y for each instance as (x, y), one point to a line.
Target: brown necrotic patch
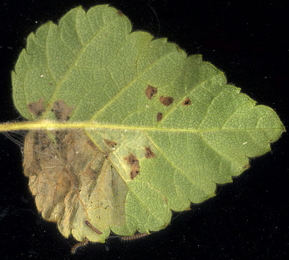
(187, 102)
(150, 91)
(166, 101)
(133, 162)
(37, 108)
(159, 116)
(61, 110)
(148, 153)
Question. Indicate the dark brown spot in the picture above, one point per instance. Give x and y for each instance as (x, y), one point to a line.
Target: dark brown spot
(133, 162)
(159, 116)
(112, 144)
(61, 110)
(150, 91)
(247, 166)
(187, 102)
(166, 101)
(148, 153)
(37, 108)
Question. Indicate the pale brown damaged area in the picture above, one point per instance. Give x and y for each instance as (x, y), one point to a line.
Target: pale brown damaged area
(133, 162)
(166, 101)
(61, 110)
(37, 108)
(150, 92)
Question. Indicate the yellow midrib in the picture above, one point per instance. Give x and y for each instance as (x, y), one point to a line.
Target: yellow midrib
(52, 125)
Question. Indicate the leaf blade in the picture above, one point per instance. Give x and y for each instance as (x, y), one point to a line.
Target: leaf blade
(93, 63)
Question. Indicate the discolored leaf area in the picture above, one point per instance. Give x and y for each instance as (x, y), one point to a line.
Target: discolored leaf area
(128, 128)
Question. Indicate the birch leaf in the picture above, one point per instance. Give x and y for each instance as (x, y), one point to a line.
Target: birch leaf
(124, 128)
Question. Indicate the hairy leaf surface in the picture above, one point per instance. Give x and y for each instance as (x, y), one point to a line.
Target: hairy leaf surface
(138, 127)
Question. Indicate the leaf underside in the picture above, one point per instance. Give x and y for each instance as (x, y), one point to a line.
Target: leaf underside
(173, 127)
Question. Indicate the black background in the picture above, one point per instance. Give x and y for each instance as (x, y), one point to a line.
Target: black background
(248, 219)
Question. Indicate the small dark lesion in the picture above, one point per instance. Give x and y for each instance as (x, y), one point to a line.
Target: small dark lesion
(133, 162)
(110, 143)
(36, 108)
(61, 110)
(187, 102)
(159, 116)
(150, 92)
(166, 101)
(148, 153)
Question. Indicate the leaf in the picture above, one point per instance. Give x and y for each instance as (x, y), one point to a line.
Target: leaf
(128, 128)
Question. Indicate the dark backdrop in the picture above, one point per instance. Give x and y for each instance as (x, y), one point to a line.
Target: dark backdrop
(248, 219)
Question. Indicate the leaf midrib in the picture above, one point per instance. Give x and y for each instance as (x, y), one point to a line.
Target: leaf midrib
(53, 125)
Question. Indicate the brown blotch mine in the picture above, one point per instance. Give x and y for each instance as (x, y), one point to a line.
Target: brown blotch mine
(148, 153)
(166, 101)
(37, 108)
(150, 91)
(159, 116)
(64, 163)
(61, 110)
(187, 102)
(133, 162)
(110, 143)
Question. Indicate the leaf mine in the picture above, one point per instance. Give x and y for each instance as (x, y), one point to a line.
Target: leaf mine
(63, 176)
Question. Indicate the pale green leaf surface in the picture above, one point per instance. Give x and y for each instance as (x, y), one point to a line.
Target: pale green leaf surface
(99, 67)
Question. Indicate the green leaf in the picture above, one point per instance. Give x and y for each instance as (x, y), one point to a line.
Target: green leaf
(129, 128)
